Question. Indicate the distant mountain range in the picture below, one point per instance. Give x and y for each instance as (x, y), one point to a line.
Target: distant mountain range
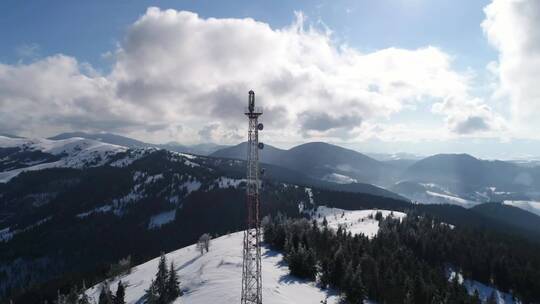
(321, 161)
(199, 149)
(459, 179)
(99, 201)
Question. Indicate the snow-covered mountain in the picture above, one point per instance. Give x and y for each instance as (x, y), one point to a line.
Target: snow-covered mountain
(531, 206)
(199, 149)
(23, 154)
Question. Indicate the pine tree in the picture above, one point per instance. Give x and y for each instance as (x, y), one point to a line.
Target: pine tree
(73, 296)
(151, 294)
(173, 284)
(161, 279)
(105, 296)
(120, 294)
(165, 288)
(356, 292)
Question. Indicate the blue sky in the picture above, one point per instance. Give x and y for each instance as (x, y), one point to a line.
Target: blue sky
(88, 29)
(413, 75)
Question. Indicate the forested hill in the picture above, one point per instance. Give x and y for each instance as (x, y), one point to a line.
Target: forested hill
(412, 259)
(137, 203)
(147, 202)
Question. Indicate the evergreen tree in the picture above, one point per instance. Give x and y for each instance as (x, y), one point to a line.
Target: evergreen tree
(120, 294)
(105, 295)
(173, 284)
(73, 296)
(161, 279)
(165, 288)
(151, 294)
(356, 292)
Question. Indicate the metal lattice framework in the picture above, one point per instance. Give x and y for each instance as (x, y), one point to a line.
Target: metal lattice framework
(251, 267)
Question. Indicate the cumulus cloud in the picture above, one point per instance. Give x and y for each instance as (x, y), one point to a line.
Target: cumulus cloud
(469, 116)
(513, 28)
(176, 68)
(322, 123)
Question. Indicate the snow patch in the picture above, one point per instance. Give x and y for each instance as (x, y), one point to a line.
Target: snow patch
(153, 178)
(339, 178)
(161, 219)
(6, 234)
(226, 182)
(357, 221)
(102, 209)
(484, 291)
(431, 197)
(192, 186)
(309, 192)
(74, 152)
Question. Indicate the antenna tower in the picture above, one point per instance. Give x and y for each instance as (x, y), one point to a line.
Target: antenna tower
(251, 266)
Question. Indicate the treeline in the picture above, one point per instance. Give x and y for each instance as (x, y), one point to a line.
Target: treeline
(407, 262)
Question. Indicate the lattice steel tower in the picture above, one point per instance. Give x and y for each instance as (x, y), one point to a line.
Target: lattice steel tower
(251, 267)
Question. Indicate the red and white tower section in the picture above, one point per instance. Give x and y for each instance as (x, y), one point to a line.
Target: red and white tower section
(251, 266)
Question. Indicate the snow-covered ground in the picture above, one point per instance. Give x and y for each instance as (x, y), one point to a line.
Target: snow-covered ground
(339, 178)
(75, 153)
(357, 221)
(161, 219)
(484, 291)
(531, 206)
(226, 182)
(7, 234)
(215, 277)
(432, 197)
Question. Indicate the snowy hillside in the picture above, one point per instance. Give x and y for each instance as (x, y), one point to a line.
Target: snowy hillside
(22, 154)
(357, 222)
(531, 206)
(215, 277)
(431, 193)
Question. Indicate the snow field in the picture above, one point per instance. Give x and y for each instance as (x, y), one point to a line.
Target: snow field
(215, 277)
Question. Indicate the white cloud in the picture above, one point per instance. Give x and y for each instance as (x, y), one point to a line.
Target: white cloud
(176, 69)
(470, 116)
(513, 28)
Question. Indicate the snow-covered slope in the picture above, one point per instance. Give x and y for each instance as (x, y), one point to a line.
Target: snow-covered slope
(72, 153)
(483, 290)
(357, 221)
(215, 277)
(430, 193)
(531, 206)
